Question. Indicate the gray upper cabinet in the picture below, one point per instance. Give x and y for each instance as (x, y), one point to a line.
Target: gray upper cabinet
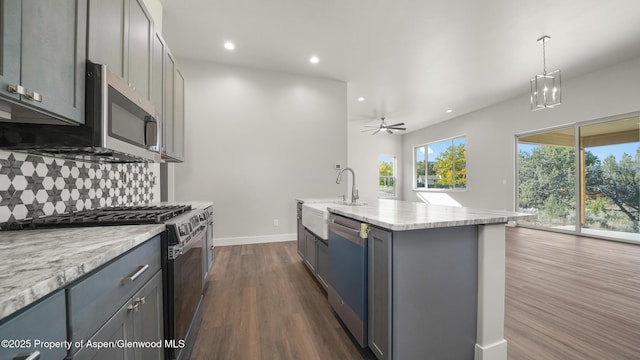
(139, 70)
(178, 127)
(42, 56)
(120, 36)
(108, 47)
(174, 107)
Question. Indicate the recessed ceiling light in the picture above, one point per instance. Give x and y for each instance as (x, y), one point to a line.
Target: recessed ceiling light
(229, 45)
(449, 111)
(314, 59)
(361, 99)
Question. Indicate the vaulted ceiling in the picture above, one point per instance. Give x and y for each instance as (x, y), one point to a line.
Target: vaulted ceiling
(410, 59)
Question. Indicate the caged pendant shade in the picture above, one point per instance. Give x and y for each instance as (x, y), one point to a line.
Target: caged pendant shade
(546, 89)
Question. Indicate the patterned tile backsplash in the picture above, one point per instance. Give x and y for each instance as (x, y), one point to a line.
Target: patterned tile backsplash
(33, 185)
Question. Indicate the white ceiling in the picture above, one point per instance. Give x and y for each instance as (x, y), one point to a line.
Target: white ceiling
(411, 59)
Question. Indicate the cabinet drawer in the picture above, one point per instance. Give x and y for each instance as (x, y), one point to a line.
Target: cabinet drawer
(45, 321)
(95, 299)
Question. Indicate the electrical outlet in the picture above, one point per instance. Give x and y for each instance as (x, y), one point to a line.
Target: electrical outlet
(337, 166)
(276, 222)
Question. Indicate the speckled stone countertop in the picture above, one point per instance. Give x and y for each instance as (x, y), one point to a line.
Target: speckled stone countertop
(38, 262)
(404, 215)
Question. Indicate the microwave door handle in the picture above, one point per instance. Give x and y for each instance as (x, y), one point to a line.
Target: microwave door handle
(151, 132)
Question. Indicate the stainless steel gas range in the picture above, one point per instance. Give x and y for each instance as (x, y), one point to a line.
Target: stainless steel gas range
(186, 246)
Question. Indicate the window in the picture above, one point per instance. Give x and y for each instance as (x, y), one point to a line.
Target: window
(441, 165)
(387, 173)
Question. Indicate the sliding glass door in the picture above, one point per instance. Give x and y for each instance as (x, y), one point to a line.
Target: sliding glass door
(546, 178)
(584, 178)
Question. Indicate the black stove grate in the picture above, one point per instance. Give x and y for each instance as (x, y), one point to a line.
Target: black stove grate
(122, 215)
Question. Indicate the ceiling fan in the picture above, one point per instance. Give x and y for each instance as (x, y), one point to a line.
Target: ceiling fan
(384, 127)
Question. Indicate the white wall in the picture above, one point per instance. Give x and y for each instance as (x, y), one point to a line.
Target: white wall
(256, 141)
(491, 131)
(155, 10)
(364, 151)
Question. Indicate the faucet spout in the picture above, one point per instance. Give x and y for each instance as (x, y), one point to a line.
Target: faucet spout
(354, 191)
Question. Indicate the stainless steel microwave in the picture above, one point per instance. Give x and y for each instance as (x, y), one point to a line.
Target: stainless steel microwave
(120, 126)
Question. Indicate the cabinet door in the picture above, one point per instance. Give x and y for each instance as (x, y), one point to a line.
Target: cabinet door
(107, 47)
(380, 293)
(10, 18)
(301, 234)
(310, 247)
(148, 318)
(119, 327)
(54, 54)
(168, 127)
(178, 127)
(322, 267)
(139, 54)
(157, 75)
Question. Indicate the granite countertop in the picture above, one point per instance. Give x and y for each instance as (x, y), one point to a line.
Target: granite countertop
(399, 215)
(38, 262)
(319, 200)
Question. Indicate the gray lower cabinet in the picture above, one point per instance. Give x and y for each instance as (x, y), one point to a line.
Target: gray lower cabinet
(44, 321)
(42, 56)
(423, 293)
(138, 320)
(322, 265)
(301, 240)
(121, 301)
(310, 251)
(379, 292)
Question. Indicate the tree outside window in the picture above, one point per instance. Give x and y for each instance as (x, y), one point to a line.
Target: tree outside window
(387, 176)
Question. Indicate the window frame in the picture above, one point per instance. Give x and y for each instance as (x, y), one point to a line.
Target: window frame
(414, 186)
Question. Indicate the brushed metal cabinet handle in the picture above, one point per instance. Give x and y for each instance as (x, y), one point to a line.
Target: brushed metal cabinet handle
(35, 355)
(17, 89)
(32, 95)
(135, 275)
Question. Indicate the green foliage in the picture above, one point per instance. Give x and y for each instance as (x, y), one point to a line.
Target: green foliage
(547, 184)
(451, 167)
(386, 168)
(617, 185)
(547, 178)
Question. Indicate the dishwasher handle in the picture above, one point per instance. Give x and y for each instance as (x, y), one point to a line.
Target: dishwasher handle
(346, 232)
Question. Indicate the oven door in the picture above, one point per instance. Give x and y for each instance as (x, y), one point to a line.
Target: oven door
(185, 280)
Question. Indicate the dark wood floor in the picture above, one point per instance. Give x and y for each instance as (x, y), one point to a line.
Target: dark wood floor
(571, 297)
(568, 297)
(262, 303)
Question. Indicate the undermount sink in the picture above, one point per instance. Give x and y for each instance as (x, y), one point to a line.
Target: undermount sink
(316, 215)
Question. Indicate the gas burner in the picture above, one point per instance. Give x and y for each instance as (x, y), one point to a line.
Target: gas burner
(109, 216)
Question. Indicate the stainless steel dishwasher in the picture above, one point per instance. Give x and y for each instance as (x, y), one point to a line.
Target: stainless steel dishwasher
(347, 289)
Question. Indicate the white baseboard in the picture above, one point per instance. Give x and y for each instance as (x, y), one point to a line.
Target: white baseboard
(244, 240)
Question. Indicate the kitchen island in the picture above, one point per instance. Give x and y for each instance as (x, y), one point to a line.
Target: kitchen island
(436, 279)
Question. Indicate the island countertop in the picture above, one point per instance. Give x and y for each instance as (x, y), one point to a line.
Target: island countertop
(397, 215)
(36, 263)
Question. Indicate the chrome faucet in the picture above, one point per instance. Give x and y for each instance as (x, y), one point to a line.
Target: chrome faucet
(354, 191)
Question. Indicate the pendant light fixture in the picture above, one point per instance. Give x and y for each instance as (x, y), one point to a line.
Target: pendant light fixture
(545, 88)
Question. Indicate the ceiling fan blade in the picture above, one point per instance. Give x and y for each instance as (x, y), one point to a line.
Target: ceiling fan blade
(369, 130)
(396, 128)
(389, 131)
(398, 124)
(375, 132)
